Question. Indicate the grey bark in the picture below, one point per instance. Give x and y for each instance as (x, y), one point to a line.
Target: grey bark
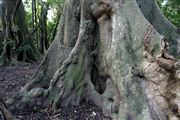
(43, 27)
(6, 54)
(153, 14)
(108, 52)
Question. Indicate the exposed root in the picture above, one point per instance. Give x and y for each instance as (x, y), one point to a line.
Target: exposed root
(59, 74)
(6, 114)
(66, 86)
(68, 81)
(74, 73)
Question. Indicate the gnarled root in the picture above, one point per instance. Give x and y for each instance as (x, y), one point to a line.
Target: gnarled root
(68, 81)
(73, 76)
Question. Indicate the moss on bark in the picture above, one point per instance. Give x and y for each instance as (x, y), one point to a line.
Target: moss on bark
(105, 51)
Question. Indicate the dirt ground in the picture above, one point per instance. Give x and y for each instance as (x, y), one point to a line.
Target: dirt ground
(15, 77)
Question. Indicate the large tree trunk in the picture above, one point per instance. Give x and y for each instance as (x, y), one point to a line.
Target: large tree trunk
(6, 54)
(109, 52)
(17, 44)
(26, 48)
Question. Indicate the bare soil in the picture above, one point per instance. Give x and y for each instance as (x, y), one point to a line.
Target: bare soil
(13, 78)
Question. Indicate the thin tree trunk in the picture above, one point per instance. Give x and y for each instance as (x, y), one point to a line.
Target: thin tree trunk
(43, 27)
(55, 27)
(33, 14)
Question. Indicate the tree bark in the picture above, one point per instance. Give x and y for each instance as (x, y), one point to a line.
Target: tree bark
(17, 44)
(153, 14)
(43, 27)
(6, 54)
(108, 52)
(26, 48)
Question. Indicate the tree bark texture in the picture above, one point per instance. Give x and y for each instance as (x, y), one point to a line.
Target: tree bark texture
(17, 44)
(43, 27)
(114, 53)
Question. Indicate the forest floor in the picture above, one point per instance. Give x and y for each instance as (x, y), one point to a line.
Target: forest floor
(15, 77)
